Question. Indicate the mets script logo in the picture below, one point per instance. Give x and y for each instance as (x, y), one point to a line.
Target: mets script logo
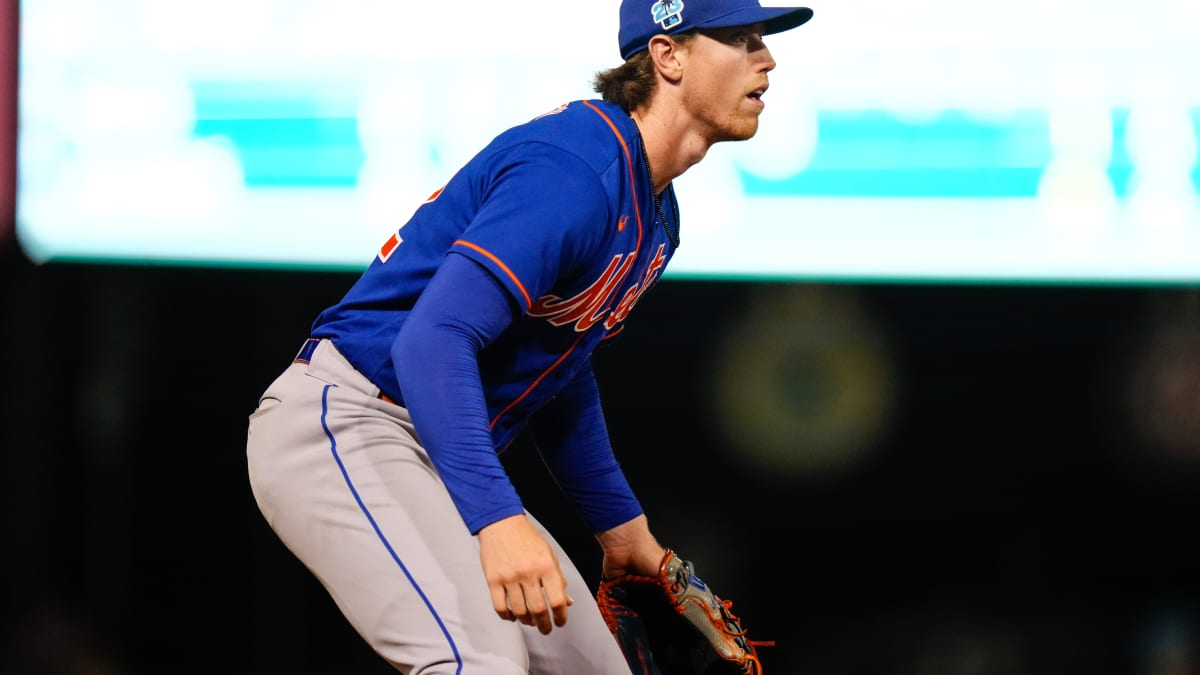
(592, 305)
(667, 13)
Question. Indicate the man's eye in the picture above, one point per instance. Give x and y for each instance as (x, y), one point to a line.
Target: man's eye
(745, 38)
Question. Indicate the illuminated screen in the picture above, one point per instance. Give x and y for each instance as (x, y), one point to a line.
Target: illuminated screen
(1033, 140)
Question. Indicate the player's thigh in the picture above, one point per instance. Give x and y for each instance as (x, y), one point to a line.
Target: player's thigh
(584, 646)
(427, 606)
(369, 516)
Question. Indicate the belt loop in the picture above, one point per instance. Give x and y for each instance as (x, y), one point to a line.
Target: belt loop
(306, 352)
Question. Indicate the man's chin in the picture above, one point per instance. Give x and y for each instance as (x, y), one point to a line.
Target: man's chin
(743, 132)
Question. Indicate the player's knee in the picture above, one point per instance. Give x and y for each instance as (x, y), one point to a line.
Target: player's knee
(455, 669)
(481, 655)
(468, 664)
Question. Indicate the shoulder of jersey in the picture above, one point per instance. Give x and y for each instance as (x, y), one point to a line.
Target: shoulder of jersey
(592, 130)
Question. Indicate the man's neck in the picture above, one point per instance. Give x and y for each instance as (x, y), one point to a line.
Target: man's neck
(672, 145)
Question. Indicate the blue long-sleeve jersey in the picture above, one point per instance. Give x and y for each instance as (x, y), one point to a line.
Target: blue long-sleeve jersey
(560, 213)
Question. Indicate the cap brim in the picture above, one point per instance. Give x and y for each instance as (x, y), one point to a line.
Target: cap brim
(774, 19)
(791, 18)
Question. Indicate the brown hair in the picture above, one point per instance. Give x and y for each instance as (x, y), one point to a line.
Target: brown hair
(631, 84)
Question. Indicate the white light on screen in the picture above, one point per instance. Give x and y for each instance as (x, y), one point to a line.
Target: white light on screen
(1083, 113)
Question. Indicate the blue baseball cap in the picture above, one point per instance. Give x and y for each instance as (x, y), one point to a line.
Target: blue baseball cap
(643, 19)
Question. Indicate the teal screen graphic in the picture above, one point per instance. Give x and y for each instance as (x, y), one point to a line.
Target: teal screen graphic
(934, 141)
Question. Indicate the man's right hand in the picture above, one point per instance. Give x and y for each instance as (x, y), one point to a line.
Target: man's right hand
(523, 574)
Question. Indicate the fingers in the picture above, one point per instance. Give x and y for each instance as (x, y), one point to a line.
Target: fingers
(560, 610)
(542, 605)
(500, 603)
(522, 572)
(551, 605)
(538, 610)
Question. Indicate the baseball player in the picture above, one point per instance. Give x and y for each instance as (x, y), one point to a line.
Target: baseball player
(375, 455)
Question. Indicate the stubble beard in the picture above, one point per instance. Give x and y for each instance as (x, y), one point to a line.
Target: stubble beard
(740, 128)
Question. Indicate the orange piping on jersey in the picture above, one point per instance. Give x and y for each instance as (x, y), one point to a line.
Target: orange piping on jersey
(536, 382)
(629, 163)
(520, 286)
(528, 303)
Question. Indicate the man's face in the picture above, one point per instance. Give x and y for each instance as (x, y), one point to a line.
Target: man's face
(725, 75)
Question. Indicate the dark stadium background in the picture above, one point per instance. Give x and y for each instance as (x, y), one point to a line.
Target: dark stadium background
(1011, 519)
(1021, 499)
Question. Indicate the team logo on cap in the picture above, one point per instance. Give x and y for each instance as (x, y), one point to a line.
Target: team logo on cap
(667, 13)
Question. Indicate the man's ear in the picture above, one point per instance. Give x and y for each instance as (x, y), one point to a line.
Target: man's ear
(665, 53)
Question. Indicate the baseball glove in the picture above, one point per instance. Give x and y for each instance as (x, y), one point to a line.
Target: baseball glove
(673, 624)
